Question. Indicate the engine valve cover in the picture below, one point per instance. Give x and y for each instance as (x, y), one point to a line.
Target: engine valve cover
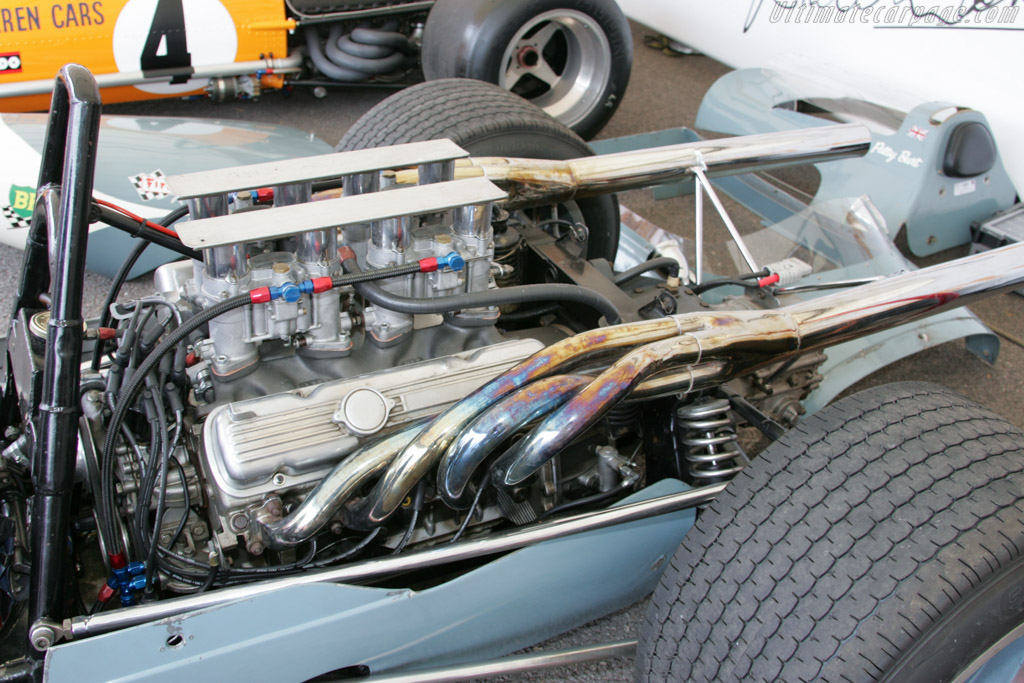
(270, 443)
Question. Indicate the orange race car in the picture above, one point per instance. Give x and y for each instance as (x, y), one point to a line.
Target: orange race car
(570, 57)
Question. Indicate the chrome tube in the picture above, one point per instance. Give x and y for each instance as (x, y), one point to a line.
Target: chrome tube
(104, 622)
(681, 380)
(335, 489)
(316, 246)
(473, 220)
(420, 456)
(750, 339)
(882, 304)
(513, 664)
(44, 86)
(496, 424)
(357, 235)
(436, 172)
(764, 334)
(530, 182)
(225, 262)
(389, 240)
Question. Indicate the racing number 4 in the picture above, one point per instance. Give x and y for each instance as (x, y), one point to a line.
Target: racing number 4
(167, 47)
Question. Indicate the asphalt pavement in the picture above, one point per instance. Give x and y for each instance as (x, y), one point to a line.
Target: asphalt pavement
(664, 92)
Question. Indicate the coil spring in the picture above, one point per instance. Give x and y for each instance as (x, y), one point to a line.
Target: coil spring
(623, 418)
(708, 439)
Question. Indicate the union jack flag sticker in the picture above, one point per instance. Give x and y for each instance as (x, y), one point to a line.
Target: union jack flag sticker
(918, 133)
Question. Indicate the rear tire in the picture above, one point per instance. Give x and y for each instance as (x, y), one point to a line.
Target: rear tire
(572, 58)
(485, 120)
(883, 539)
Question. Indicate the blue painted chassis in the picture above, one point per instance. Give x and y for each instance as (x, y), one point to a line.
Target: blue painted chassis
(301, 632)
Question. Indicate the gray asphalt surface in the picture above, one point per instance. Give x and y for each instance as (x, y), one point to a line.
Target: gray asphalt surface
(664, 92)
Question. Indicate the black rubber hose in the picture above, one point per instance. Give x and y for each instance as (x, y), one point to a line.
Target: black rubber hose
(118, 220)
(519, 294)
(738, 281)
(368, 67)
(165, 457)
(663, 263)
(208, 581)
(619, 490)
(186, 503)
(417, 507)
(133, 386)
(529, 313)
(122, 276)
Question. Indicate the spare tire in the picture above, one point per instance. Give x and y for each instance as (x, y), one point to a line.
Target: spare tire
(485, 120)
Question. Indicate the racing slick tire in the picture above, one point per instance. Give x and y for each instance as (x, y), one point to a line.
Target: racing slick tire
(485, 120)
(880, 540)
(572, 58)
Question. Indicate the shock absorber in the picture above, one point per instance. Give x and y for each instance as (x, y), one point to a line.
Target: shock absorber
(708, 440)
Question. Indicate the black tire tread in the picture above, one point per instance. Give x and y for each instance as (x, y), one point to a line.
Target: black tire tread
(484, 119)
(456, 108)
(816, 561)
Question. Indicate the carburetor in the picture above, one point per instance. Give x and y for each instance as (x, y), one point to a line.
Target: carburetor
(293, 243)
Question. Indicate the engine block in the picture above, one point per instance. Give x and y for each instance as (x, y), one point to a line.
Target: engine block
(273, 445)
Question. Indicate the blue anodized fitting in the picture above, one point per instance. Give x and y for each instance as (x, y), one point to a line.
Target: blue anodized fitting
(127, 580)
(451, 260)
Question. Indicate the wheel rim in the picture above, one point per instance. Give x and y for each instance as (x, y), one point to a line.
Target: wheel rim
(1001, 662)
(559, 60)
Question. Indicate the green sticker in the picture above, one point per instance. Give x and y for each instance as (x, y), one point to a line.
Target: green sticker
(23, 200)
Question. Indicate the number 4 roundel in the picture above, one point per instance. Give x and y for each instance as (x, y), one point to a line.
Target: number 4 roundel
(173, 35)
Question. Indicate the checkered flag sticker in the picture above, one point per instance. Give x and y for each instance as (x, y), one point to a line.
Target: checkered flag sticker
(16, 220)
(151, 185)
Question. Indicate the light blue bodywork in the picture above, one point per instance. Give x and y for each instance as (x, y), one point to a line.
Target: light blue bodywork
(132, 145)
(901, 172)
(823, 227)
(300, 632)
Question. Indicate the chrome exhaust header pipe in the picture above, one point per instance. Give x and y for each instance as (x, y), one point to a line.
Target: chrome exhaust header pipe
(335, 489)
(694, 351)
(538, 182)
(419, 457)
(749, 339)
(496, 424)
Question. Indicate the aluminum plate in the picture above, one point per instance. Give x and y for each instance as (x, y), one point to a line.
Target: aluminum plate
(332, 213)
(325, 166)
